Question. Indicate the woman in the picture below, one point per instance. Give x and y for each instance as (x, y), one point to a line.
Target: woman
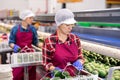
(22, 35)
(63, 47)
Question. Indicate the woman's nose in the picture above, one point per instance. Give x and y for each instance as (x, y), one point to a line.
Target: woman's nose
(70, 27)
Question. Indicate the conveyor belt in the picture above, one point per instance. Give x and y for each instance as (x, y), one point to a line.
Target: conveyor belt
(105, 36)
(101, 39)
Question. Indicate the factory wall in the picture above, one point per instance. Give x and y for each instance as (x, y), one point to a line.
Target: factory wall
(14, 4)
(51, 6)
(85, 5)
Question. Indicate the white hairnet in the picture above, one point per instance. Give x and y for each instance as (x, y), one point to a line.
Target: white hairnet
(64, 16)
(25, 14)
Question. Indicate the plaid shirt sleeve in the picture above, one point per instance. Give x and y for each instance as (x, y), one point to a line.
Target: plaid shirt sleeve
(48, 51)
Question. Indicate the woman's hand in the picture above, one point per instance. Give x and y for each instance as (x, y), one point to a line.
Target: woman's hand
(55, 68)
(40, 44)
(78, 65)
(51, 68)
(16, 48)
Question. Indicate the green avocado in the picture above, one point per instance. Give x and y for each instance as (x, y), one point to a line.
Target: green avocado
(102, 73)
(61, 75)
(95, 72)
(57, 73)
(66, 73)
(117, 77)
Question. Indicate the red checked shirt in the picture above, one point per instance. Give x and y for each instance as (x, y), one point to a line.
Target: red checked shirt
(49, 48)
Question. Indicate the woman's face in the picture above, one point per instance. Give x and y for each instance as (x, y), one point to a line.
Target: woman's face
(29, 20)
(66, 28)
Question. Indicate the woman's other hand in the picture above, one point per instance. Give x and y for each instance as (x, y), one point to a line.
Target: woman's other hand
(78, 65)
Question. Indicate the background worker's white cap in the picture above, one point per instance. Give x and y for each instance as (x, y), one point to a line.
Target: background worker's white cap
(64, 16)
(25, 14)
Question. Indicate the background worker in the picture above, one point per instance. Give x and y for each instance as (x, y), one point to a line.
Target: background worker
(63, 47)
(22, 35)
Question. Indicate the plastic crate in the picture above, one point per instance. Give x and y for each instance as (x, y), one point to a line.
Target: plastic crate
(111, 71)
(81, 77)
(26, 57)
